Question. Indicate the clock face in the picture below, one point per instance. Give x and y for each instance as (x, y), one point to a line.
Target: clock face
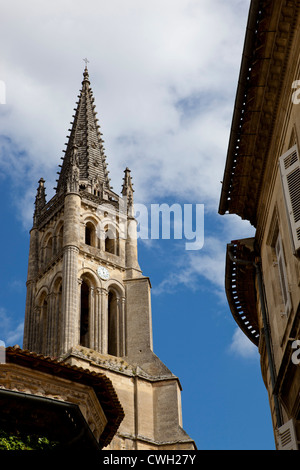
(103, 273)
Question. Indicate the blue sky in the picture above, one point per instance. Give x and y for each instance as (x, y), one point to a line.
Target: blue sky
(164, 76)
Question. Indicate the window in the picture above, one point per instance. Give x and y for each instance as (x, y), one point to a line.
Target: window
(42, 324)
(90, 234)
(84, 314)
(48, 250)
(112, 324)
(290, 175)
(116, 336)
(111, 240)
(282, 275)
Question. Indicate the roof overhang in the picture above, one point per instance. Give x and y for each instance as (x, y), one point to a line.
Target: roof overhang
(59, 421)
(46, 370)
(267, 43)
(240, 287)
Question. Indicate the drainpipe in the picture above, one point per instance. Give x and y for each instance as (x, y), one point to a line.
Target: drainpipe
(257, 266)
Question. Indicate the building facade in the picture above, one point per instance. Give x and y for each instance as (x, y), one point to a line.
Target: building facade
(262, 185)
(40, 397)
(88, 303)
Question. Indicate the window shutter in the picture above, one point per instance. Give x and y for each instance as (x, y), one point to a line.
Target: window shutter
(283, 275)
(290, 174)
(287, 439)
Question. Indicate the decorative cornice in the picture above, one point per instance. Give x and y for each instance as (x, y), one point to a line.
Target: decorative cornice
(240, 287)
(267, 45)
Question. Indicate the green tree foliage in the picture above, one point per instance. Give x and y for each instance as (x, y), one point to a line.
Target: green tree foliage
(16, 441)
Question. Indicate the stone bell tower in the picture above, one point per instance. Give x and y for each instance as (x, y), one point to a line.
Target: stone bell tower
(88, 303)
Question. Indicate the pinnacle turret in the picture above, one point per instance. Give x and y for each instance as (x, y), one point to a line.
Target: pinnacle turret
(40, 199)
(127, 191)
(85, 137)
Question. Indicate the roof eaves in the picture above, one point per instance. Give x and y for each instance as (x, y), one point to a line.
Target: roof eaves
(253, 18)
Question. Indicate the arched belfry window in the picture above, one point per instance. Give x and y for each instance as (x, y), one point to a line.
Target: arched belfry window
(84, 314)
(112, 324)
(42, 320)
(111, 240)
(56, 317)
(90, 234)
(115, 324)
(48, 249)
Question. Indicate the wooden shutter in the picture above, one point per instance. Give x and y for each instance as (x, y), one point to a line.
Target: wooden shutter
(290, 174)
(287, 439)
(283, 275)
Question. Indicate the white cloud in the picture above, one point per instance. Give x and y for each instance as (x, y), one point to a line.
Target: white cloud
(15, 336)
(242, 346)
(11, 331)
(164, 75)
(206, 265)
(196, 270)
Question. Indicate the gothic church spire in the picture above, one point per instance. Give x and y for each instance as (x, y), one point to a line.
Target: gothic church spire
(85, 137)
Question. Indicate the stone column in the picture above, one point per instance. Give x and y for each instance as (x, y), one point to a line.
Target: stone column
(70, 307)
(92, 319)
(33, 263)
(36, 334)
(122, 323)
(98, 319)
(78, 324)
(51, 300)
(70, 300)
(28, 341)
(56, 321)
(104, 321)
